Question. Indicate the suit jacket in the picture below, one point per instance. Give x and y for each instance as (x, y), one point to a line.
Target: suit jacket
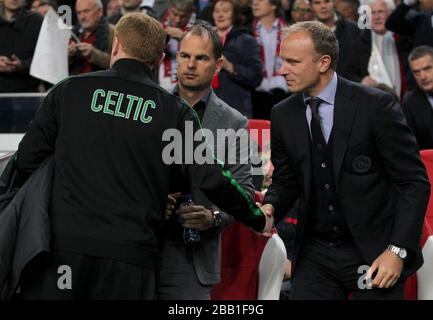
(242, 50)
(346, 33)
(358, 67)
(381, 183)
(207, 256)
(419, 114)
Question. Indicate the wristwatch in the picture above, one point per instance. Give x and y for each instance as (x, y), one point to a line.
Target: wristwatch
(217, 218)
(399, 252)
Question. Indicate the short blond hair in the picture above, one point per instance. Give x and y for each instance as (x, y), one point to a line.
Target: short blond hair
(141, 36)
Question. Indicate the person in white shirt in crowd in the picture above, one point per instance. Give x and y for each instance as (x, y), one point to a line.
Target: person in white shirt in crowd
(381, 55)
(267, 28)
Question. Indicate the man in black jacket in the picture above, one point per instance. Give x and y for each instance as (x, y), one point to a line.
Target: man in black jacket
(418, 104)
(346, 31)
(417, 25)
(19, 29)
(346, 151)
(108, 199)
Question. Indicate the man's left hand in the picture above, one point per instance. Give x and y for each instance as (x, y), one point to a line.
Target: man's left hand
(196, 217)
(388, 267)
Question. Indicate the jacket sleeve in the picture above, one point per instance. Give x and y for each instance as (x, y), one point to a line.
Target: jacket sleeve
(39, 141)
(241, 168)
(399, 151)
(219, 185)
(400, 23)
(248, 71)
(101, 58)
(284, 190)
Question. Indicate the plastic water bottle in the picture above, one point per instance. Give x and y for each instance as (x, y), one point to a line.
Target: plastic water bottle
(190, 236)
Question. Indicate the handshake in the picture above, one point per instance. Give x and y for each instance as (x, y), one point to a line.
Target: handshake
(268, 211)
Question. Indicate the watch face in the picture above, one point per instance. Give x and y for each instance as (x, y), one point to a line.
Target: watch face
(402, 253)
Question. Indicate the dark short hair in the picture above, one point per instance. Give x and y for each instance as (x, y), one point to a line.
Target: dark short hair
(420, 52)
(238, 18)
(204, 29)
(324, 40)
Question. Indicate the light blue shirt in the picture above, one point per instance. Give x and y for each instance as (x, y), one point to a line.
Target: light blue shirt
(326, 108)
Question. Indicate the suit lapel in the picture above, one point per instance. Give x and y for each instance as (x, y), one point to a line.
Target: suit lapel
(212, 113)
(344, 115)
(301, 136)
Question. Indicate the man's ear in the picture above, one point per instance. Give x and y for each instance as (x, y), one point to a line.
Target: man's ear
(325, 63)
(219, 64)
(114, 50)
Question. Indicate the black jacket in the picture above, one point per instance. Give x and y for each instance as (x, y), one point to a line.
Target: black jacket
(242, 50)
(416, 25)
(24, 224)
(110, 185)
(381, 183)
(347, 33)
(358, 67)
(419, 116)
(19, 38)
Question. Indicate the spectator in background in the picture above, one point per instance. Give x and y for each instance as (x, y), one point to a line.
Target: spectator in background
(381, 52)
(92, 53)
(19, 30)
(346, 32)
(267, 29)
(348, 9)
(301, 11)
(418, 104)
(418, 26)
(129, 6)
(42, 6)
(113, 7)
(178, 17)
(241, 67)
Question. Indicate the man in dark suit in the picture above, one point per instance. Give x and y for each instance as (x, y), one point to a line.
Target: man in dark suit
(362, 187)
(418, 104)
(346, 31)
(188, 272)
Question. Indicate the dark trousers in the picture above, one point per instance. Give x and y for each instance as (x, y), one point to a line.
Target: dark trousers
(177, 278)
(69, 276)
(332, 272)
(264, 101)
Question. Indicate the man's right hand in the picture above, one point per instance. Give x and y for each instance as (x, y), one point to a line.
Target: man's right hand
(72, 48)
(171, 203)
(5, 64)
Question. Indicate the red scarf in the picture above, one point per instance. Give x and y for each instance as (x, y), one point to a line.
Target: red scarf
(256, 33)
(168, 67)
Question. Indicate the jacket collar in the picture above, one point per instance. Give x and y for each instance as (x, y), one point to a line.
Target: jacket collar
(131, 67)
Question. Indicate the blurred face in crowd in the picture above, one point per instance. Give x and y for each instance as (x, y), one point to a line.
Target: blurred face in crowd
(323, 9)
(263, 8)
(379, 14)
(302, 66)
(301, 11)
(197, 64)
(112, 7)
(178, 18)
(426, 5)
(40, 8)
(223, 15)
(131, 4)
(88, 13)
(13, 5)
(347, 10)
(422, 69)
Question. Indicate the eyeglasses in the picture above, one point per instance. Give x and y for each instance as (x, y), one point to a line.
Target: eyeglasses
(302, 10)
